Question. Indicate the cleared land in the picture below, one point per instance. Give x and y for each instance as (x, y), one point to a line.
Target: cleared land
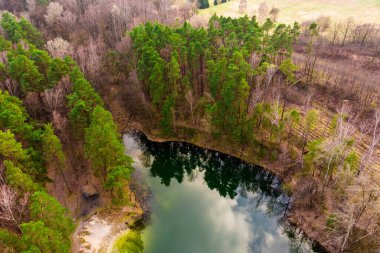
(365, 11)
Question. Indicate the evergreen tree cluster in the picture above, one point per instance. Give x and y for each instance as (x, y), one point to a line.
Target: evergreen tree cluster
(48, 227)
(203, 4)
(17, 30)
(36, 71)
(215, 65)
(27, 64)
(28, 145)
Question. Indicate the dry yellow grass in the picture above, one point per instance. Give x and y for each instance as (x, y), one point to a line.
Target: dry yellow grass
(299, 10)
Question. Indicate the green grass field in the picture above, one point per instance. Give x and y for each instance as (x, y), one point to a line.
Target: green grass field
(302, 10)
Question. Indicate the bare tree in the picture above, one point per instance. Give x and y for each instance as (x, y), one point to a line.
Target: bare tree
(368, 158)
(68, 19)
(346, 29)
(242, 6)
(276, 111)
(120, 18)
(359, 210)
(198, 21)
(53, 13)
(187, 9)
(54, 98)
(31, 5)
(164, 10)
(11, 86)
(274, 13)
(59, 47)
(190, 99)
(335, 32)
(12, 206)
(263, 10)
(324, 23)
(336, 147)
(90, 57)
(363, 33)
(70, 5)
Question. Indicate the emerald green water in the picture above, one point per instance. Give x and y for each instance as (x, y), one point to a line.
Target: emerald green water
(206, 202)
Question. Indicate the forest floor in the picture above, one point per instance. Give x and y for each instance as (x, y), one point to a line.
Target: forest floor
(299, 10)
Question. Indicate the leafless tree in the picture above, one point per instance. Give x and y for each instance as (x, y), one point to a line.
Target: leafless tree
(59, 47)
(285, 156)
(242, 6)
(12, 206)
(274, 13)
(187, 9)
(363, 33)
(368, 158)
(335, 32)
(31, 5)
(343, 131)
(11, 86)
(54, 98)
(164, 10)
(53, 13)
(68, 19)
(276, 110)
(254, 60)
(71, 5)
(198, 21)
(118, 22)
(90, 58)
(324, 23)
(346, 29)
(190, 99)
(263, 10)
(359, 210)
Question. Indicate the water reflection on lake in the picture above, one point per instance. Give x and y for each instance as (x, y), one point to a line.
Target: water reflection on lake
(207, 202)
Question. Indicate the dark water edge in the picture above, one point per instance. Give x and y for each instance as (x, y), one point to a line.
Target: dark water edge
(226, 174)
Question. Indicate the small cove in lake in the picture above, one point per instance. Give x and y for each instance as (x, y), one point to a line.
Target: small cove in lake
(204, 201)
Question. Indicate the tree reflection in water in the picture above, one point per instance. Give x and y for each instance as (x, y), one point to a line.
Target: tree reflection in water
(229, 176)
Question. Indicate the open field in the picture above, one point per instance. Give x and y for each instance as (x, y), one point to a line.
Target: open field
(299, 10)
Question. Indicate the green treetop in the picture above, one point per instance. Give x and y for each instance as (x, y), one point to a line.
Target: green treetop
(106, 151)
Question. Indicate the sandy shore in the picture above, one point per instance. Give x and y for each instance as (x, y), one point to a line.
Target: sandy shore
(96, 233)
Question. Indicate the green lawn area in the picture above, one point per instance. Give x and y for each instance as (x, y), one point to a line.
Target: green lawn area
(302, 10)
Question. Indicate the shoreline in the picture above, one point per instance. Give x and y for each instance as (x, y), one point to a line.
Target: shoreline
(98, 231)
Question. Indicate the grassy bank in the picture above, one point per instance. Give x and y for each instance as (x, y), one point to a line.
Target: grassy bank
(296, 10)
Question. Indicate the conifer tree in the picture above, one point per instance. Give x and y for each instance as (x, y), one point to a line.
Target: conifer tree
(106, 151)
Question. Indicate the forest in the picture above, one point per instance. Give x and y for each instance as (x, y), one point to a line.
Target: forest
(29, 147)
(300, 99)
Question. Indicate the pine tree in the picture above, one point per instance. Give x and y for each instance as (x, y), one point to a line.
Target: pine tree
(10, 149)
(32, 35)
(203, 4)
(4, 44)
(11, 27)
(288, 68)
(167, 113)
(19, 180)
(53, 152)
(106, 151)
(26, 73)
(37, 237)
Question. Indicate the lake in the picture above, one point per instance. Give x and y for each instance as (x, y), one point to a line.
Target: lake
(204, 201)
